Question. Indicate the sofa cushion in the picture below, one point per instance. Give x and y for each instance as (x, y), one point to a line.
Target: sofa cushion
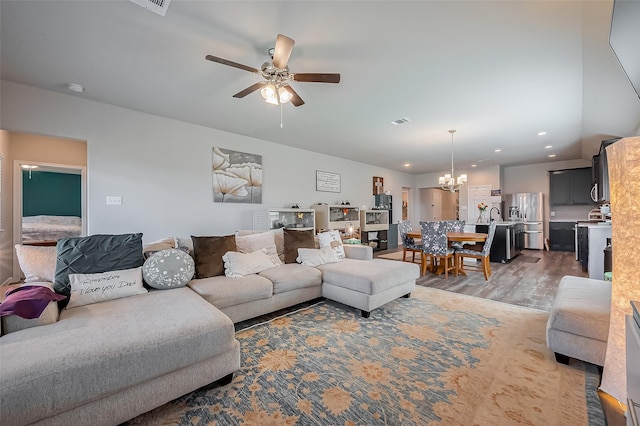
(170, 268)
(97, 350)
(369, 276)
(332, 239)
(37, 263)
(208, 252)
(95, 254)
(13, 323)
(237, 265)
(223, 291)
(254, 242)
(292, 276)
(94, 288)
(293, 240)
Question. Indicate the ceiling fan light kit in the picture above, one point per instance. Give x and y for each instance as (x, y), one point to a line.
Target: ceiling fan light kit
(276, 89)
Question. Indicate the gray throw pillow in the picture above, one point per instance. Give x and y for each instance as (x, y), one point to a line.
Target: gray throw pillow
(92, 255)
(171, 268)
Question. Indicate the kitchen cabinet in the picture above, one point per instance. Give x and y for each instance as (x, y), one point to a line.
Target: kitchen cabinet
(562, 236)
(570, 187)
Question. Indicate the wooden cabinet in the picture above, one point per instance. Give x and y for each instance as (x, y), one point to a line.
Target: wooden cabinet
(570, 187)
(339, 217)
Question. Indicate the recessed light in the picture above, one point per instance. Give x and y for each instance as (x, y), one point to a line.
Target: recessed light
(548, 147)
(75, 87)
(497, 150)
(407, 164)
(551, 155)
(542, 133)
(474, 165)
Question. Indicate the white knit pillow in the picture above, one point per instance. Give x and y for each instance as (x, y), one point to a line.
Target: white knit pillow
(238, 265)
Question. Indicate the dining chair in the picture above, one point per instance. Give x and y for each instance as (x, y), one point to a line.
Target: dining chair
(408, 243)
(456, 226)
(482, 255)
(434, 240)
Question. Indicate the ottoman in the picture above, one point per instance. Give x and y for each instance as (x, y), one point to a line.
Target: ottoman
(368, 284)
(578, 325)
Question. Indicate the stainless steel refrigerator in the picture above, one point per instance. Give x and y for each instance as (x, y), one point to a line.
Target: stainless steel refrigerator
(526, 207)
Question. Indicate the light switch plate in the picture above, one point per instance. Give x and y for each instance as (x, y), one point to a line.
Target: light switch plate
(113, 200)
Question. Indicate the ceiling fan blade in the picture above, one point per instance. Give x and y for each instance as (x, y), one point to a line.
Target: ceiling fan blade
(230, 63)
(317, 77)
(250, 89)
(284, 46)
(296, 100)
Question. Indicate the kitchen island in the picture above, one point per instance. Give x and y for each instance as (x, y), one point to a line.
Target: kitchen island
(508, 241)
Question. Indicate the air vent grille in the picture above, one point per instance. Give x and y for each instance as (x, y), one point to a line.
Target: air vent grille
(400, 121)
(158, 6)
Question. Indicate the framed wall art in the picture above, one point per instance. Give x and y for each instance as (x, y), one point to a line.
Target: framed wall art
(237, 177)
(327, 181)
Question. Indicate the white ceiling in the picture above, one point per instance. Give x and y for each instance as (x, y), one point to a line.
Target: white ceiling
(498, 72)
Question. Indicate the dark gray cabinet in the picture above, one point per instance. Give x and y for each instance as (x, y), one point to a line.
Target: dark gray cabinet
(562, 236)
(570, 187)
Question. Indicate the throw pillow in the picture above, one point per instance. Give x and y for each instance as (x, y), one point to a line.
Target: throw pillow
(332, 239)
(156, 246)
(237, 264)
(37, 263)
(95, 254)
(254, 242)
(293, 240)
(208, 252)
(170, 268)
(28, 301)
(93, 288)
(317, 257)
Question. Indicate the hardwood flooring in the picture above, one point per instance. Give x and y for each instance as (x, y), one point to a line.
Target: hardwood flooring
(530, 279)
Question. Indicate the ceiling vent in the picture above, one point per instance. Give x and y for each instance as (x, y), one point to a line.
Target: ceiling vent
(157, 6)
(400, 121)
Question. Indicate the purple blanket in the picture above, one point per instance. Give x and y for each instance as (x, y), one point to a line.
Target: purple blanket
(28, 301)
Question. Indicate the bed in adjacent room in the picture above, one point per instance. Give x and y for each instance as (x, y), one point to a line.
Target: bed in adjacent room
(46, 228)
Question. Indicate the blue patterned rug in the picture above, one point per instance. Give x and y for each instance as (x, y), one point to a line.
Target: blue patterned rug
(437, 358)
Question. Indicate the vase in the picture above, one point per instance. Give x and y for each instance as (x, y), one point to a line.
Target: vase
(482, 217)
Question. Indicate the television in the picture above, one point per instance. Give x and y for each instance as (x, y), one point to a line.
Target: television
(624, 38)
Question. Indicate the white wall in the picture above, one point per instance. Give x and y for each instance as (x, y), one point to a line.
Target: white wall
(6, 225)
(162, 167)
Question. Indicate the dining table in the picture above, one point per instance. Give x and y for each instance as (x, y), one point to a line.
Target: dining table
(464, 237)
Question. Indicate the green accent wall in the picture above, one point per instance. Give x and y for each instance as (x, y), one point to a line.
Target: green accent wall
(49, 193)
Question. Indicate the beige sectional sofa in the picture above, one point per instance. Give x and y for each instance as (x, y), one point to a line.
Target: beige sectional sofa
(107, 362)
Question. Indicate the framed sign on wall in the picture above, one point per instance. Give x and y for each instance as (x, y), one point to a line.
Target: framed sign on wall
(327, 182)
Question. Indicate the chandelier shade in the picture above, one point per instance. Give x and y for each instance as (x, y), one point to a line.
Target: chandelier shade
(448, 182)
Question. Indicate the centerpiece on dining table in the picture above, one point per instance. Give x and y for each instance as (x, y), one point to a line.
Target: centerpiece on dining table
(482, 210)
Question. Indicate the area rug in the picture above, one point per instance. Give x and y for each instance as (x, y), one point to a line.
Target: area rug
(397, 255)
(437, 358)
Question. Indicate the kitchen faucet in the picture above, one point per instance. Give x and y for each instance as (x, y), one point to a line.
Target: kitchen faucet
(491, 211)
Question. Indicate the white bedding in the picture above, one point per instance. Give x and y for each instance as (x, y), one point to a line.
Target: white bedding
(50, 228)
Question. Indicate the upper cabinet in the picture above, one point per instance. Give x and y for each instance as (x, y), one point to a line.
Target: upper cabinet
(570, 187)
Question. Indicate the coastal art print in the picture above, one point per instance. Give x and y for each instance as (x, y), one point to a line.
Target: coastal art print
(237, 177)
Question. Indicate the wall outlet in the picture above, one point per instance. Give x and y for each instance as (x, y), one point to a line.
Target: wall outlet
(552, 214)
(114, 200)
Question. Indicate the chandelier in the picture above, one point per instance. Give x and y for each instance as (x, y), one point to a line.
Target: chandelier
(448, 182)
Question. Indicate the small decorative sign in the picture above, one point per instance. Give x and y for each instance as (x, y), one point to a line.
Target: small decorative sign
(378, 185)
(327, 182)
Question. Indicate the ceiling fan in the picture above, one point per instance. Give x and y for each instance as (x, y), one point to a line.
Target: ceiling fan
(276, 89)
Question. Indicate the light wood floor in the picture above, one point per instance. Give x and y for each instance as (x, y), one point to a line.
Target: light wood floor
(530, 279)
